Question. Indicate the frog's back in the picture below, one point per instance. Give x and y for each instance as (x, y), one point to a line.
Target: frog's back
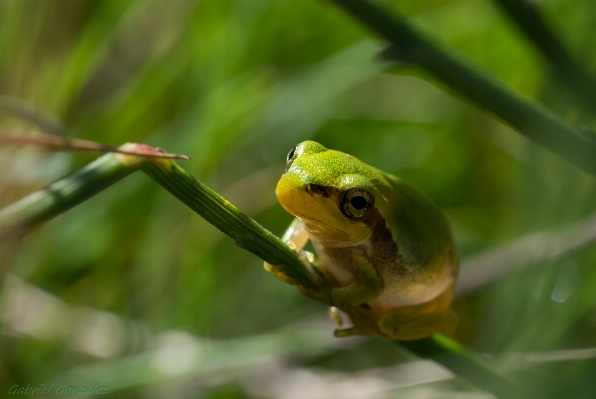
(418, 225)
(424, 252)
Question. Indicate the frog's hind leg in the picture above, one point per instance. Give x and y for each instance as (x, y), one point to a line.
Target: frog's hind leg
(363, 323)
(341, 332)
(363, 328)
(399, 326)
(347, 332)
(421, 320)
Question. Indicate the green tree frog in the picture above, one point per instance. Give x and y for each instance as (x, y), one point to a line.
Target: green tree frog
(385, 252)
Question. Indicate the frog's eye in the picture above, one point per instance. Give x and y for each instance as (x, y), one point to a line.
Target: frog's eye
(357, 202)
(291, 157)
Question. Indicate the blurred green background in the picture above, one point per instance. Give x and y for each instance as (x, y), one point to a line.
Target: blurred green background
(133, 291)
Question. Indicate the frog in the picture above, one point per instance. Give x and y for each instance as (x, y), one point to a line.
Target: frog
(385, 252)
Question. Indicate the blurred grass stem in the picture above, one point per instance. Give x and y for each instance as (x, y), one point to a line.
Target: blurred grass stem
(527, 17)
(532, 249)
(534, 121)
(473, 367)
(41, 206)
(46, 121)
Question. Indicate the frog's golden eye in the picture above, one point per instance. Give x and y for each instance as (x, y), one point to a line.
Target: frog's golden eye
(291, 157)
(357, 202)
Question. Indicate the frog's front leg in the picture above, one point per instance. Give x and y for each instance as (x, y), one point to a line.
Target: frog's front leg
(296, 238)
(367, 285)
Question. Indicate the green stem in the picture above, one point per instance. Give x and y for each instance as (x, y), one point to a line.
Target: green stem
(469, 365)
(230, 220)
(41, 206)
(532, 120)
(568, 70)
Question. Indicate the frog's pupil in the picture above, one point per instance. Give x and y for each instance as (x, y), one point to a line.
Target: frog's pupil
(291, 153)
(358, 202)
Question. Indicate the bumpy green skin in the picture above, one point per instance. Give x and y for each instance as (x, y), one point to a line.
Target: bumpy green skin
(392, 270)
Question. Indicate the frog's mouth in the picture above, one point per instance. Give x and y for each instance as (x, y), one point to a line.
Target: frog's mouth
(332, 236)
(317, 208)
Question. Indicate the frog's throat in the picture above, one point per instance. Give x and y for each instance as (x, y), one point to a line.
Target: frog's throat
(330, 236)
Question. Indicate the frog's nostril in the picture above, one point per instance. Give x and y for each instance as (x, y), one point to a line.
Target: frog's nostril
(291, 154)
(291, 158)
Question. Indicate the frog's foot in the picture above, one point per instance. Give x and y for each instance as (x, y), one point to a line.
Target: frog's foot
(295, 237)
(347, 332)
(278, 271)
(359, 329)
(399, 326)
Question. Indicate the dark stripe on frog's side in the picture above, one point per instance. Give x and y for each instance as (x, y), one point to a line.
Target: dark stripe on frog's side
(385, 252)
(381, 250)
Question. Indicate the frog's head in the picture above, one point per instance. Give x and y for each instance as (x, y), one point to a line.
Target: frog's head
(336, 196)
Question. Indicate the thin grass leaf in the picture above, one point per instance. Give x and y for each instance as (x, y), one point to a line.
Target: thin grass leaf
(528, 19)
(41, 118)
(53, 143)
(534, 121)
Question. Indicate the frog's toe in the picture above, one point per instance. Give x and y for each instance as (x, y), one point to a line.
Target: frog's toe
(335, 316)
(277, 271)
(346, 332)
